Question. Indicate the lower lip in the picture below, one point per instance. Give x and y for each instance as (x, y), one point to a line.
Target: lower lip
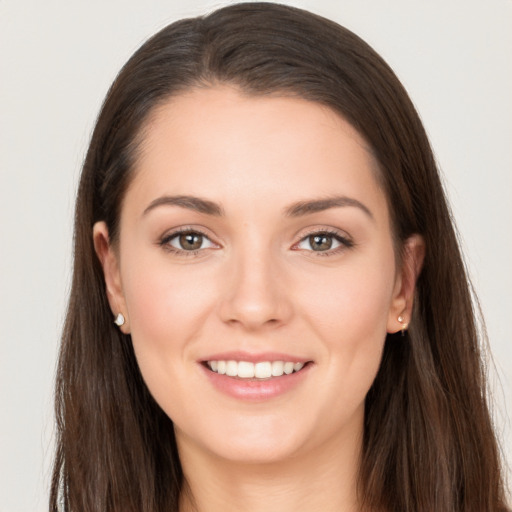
(254, 389)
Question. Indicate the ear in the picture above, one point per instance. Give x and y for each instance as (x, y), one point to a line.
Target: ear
(110, 263)
(405, 284)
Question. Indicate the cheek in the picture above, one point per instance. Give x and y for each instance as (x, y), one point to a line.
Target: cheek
(351, 303)
(167, 308)
(165, 301)
(350, 318)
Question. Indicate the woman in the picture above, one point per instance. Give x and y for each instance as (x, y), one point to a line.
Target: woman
(261, 214)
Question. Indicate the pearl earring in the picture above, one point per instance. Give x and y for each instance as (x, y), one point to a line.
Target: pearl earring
(404, 324)
(119, 320)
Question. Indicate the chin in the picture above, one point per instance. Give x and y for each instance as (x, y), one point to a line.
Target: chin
(253, 441)
(264, 452)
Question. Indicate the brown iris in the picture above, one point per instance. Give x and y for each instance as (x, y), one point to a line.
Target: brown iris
(191, 241)
(320, 242)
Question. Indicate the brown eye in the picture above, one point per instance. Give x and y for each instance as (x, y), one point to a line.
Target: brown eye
(320, 242)
(187, 241)
(325, 242)
(190, 241)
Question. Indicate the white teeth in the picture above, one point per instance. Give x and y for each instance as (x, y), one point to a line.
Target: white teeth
(221, 367)
(277, 368)
(261, 370)
(246, 370)
(288, 368)
(231, 368)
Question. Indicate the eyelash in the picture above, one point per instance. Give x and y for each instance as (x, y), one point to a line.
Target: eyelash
(164, 242)
(345, 242)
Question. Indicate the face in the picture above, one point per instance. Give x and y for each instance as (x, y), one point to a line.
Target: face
(255, 241)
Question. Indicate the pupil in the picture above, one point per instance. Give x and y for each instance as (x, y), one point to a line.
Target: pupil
(191, 241)
(321, 242)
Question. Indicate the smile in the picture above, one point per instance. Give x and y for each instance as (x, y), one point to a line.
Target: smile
(248, 370)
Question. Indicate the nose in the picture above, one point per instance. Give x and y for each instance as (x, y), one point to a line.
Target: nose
(256, 295)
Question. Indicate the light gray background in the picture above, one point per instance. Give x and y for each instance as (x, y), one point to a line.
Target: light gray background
(57, 59)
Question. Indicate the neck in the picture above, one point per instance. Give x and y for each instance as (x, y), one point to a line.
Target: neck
(313, 481)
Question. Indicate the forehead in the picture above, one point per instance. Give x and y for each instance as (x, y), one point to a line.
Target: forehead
(224, 145)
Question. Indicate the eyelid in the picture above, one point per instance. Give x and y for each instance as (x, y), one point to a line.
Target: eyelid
(340, 236)
(173, 233)
(176, 236)
(345, 241)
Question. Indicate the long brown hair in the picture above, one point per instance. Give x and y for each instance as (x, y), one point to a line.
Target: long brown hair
(428, 439)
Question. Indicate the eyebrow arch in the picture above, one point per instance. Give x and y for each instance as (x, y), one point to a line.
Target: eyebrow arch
(318, 205)
(189, 202)
(297, 209)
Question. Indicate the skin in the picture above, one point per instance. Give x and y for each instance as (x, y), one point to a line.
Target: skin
(257, 285)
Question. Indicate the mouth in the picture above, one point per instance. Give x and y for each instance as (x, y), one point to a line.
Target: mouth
(262, 370)
(256, 377)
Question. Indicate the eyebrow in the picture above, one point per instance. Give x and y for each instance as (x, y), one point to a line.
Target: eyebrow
(297, 209)
(301, 208)
(190, 202)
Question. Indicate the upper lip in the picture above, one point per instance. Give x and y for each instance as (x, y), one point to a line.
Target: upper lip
(254, 357)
